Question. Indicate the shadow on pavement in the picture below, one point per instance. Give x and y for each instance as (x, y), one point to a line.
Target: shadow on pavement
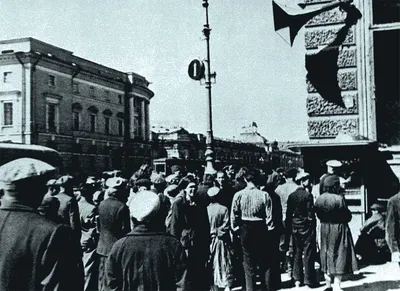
(376, 286)
(358, 276)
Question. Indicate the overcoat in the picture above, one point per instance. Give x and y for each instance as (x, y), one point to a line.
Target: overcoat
(36, 253)
(337, 248)
(146, 260)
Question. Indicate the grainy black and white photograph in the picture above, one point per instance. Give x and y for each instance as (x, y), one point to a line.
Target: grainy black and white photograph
(200, 145)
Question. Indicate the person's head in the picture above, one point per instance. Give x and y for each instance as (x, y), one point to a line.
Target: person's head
(240, 174)
(188, 185)
(291, 174)
(377, 208)
(24, 181)
(332, 185)
(251, 176)
(303, 179)
(333, 166)
(52, 187)
(171, 191)
(158, 183)
(143, 184)
(66, 184)
(230, 172)
(144, 209)
(221, 178)
(49, 207)
(213, 194)
(209, 179)
(117, 187)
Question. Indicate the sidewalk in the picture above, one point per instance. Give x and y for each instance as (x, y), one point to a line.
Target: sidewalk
(384, 277)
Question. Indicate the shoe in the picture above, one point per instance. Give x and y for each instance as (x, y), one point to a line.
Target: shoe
(314, 285)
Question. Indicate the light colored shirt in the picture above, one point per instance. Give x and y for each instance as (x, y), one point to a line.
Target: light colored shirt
(284, 191)
(251, 204)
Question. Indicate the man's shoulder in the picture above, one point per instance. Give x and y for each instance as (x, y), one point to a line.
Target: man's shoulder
(395, 199)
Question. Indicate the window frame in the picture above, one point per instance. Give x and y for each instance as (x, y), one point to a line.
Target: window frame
(3, 119)
(52, 81)
(54, 103)
(107, 125)
(7, 75)
(92, 115)
(76, 112)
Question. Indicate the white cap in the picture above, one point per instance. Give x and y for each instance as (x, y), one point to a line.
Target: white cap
(213, 191)
(144, 205)
(334, 163)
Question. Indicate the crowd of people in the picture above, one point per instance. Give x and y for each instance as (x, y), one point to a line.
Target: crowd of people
(180, 232)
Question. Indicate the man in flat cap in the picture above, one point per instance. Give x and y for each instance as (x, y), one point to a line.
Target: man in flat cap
(36, 253)
(68, 211)
(113, 222)
(146, 258)
(301, 224)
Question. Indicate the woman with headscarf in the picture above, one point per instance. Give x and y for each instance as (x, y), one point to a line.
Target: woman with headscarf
(337, 249)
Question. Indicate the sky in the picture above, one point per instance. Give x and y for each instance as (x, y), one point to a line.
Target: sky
(260, 77)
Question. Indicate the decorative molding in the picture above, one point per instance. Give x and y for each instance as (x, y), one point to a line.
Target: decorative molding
(329, 128)
(315, 38)
(317, 106)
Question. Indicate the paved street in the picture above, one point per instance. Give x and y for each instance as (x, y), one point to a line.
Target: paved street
(384, 277)
(375, 278)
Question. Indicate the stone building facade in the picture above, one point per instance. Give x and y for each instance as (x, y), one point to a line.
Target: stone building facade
(362, 129)
(92, 114)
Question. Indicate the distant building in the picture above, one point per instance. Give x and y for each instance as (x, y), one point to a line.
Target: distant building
(90, 113)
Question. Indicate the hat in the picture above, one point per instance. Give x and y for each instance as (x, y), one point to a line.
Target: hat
(64, 180)
(175, 168)
(24, 168)
(171, 190)
(116, 182)
(302, 175)
(213, 191)
(90, 180)
(377, 206)
(51, 182)
(334, 163)
(332, 180)
(157, 179)
(144, 205)
(171, 177)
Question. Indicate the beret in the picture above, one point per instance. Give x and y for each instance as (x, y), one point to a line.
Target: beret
(65, 180)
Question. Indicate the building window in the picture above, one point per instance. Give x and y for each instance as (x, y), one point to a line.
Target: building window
(107, 125)
(8, 113)
(119, 98)
(107, 95)
(120, 127)
(76, 118)
(93, 118)
(52, 80)
(7, 77)
(91, 91)
(52, 116)
(75, 88)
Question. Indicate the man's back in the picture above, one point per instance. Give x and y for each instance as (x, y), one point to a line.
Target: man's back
(146, 260)
(284, 191)
(31, 249)
(300, 210)
(113, 223)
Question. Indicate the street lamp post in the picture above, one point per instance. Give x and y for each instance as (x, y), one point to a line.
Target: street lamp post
(209, 154)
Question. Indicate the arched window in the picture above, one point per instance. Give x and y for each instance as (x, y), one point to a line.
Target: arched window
(76, 116)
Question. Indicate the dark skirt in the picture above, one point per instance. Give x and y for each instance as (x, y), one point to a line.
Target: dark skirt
(337, 249)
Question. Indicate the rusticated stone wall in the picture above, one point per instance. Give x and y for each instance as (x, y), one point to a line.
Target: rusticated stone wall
(327, 119)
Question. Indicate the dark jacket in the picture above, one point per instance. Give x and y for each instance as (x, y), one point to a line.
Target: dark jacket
(113, 223)
(36, 253)
(300, 214)
(69, 212)
(146, 260)
(393, 223)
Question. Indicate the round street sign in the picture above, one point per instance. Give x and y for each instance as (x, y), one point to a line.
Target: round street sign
(196, 70)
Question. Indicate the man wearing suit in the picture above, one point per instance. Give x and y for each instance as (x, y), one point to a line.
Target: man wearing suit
(36, 253)
(68, 212)
(113, 222)
(393, 227)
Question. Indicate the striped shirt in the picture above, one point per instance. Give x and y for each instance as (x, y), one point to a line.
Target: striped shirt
(251, 204)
